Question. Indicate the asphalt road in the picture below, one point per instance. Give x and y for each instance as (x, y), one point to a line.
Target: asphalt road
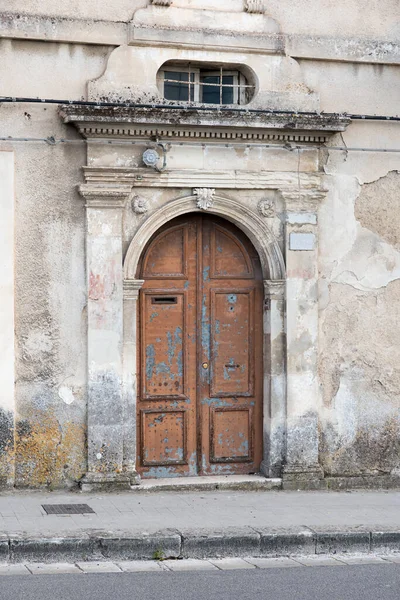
(367, 582)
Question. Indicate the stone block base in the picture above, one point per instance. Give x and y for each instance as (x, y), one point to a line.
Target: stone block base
(93, 482)
(363, 482)
(301, 477)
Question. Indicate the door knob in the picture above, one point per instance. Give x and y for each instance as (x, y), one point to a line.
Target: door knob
(205, 365)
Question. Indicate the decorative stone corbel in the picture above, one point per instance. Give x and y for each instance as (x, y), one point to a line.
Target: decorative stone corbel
(255, 6)
(139, 205)
(303, 199)
(205, 197)
(266, 208)
(101, 196)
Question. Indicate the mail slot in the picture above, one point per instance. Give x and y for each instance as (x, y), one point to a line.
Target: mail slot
(164, 300)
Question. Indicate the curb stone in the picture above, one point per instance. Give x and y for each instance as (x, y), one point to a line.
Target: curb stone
(343, 542)
(166, 544)
(211, 543)
(196, 544)
(285, 543)
(385, 541)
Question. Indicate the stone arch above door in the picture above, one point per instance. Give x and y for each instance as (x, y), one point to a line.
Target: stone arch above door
(248, 221)
(273, 271)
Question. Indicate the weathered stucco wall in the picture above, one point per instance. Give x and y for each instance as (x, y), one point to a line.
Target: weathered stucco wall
(7, 404)
(359, 246)
(50, 292)
(359, 308)
(308, 17)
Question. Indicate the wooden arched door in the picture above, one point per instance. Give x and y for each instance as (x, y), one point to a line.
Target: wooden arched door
(199, 409)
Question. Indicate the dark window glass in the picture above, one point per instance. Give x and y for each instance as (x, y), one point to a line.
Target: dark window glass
(227, 92)
(177, 88)
(211, 94)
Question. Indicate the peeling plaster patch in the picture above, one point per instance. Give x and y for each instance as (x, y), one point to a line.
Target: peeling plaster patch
(37, 342)
(377, 208)
(359, 371)
(66, 395)
(349, 253)
(370, 264)
(48, 453)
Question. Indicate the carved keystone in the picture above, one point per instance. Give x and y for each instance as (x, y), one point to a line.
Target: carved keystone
(205, 197)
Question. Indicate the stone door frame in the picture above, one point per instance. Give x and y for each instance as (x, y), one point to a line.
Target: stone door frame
(290, 404)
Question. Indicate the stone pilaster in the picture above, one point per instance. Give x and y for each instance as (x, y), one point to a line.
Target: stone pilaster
(302, 468)
(274, 378)
(131, 296)
(104, 207)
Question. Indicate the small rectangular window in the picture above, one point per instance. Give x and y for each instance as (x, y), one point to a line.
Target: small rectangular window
(192, 83)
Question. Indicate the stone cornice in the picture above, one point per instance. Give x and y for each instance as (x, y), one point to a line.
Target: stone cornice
(195, 178)
(274, 289)
(132, 288)
(86, 31)
(190, 123)
(105, 196)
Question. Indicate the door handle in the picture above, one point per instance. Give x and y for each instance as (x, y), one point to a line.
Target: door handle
(205, 365)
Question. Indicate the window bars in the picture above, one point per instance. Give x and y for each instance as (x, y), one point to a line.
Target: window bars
(211, 86)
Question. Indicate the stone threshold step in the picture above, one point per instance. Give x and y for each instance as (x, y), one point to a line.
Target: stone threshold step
(220, 482)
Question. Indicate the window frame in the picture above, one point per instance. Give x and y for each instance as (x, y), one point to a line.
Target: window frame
(240, 84)
(222, 73)
(189, 70)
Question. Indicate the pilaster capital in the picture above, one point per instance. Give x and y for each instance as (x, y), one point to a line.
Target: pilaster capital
(274, 289)
(132, 288)
(103, 196)
(303, 199)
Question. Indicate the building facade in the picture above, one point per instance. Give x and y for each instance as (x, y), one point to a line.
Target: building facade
(200, 266)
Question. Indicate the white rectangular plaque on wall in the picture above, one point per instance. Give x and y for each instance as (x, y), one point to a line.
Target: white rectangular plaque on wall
(302, 241)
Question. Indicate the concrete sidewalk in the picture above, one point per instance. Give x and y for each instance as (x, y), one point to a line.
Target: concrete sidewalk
(133, 526)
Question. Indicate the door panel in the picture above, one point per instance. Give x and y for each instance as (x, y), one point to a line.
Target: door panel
(200, 365)
(231, 342)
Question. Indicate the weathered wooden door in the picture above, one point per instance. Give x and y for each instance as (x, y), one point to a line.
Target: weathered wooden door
(200, 361)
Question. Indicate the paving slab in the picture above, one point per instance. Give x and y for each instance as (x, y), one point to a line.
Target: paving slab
(189, 564)
(230, 564)
(361, 560)
(319, 561)
(393, 558)
(13, 570)
(51, 569)
(273, 563)
(99, 567)
(141, 566)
